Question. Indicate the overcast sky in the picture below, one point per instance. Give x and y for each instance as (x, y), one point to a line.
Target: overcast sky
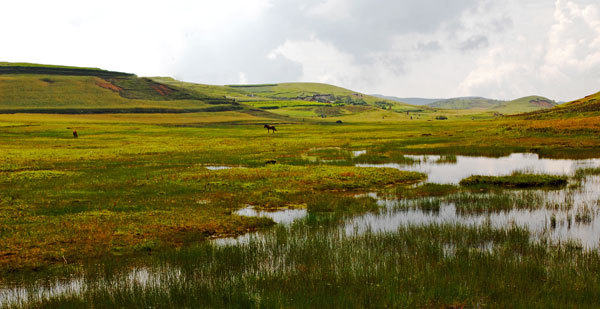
(409, 48)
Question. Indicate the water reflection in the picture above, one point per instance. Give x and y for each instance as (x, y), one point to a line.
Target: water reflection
(219, 167)
(452, 173)
(566, 214)
(540, 222)
(284, 216)
(280, 216)
(358, 153)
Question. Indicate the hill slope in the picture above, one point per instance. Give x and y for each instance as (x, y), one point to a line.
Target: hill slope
(524, 105)
(588, 106)
(36, 88)
(521, 105)
(298, 99)
(465, 103)
(411, 101)
(59, 89)
(316, 92)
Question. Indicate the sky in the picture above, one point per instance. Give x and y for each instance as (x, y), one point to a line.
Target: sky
(407, 48)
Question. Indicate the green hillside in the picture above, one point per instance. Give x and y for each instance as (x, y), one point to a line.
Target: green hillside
(298, 99)
(36, 88)
(521, 105)
(465, 103)
(60, 89)
(317, 92)
(524, 105)
(588, 106)
(411, 101)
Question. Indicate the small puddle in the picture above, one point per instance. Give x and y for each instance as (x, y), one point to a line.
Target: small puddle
(358, 153)
(219, 167)
(282, 216)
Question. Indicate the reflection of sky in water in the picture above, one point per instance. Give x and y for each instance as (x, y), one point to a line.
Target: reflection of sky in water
(284, 216)
(358, 153)
(216, 168)
(537, 221)
(468, 166)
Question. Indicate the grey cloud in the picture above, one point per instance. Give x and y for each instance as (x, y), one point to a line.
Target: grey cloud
(376, 34)
(501, 24)
(369, 29)
(371, 23)
(430, 46)
(474, 42)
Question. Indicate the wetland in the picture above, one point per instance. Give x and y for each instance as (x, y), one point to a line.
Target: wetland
(363, 215)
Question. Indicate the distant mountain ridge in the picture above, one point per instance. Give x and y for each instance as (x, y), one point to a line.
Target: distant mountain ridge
(412, 101)
(520, 105)
(465, 103)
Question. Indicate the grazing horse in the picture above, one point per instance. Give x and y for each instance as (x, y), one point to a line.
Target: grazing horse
(270, 128)
(74, 134)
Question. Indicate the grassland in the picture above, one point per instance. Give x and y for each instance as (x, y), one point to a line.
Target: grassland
(517, 180)
(130, 180)
(465, 103)
(300, 100)
(138, 189)
(517, 106)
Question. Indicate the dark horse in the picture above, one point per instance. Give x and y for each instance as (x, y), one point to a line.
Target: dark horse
(75, 134)
(270, 128)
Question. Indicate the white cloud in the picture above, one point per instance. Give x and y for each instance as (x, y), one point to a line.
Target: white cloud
(145, 37)
(562, 60)
(242, 79)
(321, 61)
(334, 10)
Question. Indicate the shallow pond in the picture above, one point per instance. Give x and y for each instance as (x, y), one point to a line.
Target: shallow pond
(570, 214)
(453, 172)
(566, 214)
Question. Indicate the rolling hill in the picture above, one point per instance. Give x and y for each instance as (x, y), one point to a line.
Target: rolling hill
(317, 92)
(517, 106)
(465, 103)
(35, 88)
(298, 99)
(524, 105)
(588, 106)
(412, 101)
(521, 105)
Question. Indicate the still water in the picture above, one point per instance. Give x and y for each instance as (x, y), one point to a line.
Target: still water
(452, 173)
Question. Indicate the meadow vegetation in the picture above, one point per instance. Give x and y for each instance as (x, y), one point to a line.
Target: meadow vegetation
(516, 180)
(150, 190)
(312, 264)
(135, 179)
